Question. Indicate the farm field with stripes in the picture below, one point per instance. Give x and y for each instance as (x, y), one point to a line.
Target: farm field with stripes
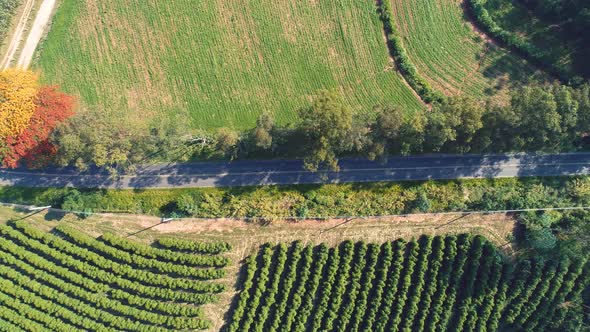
(67, 280)
(220, 63)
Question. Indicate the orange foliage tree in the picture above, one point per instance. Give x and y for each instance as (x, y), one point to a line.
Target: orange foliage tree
(26, 137)
(18, 89)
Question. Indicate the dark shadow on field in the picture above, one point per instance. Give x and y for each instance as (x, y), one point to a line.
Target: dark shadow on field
(54, 215)
(145, 229)
(501, 65)
(28, 215)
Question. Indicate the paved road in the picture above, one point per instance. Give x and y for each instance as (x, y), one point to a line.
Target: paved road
(248, 173)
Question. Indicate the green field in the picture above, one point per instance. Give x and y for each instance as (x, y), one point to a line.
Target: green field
(66, 281)
(219, 63)
(450, 54)
(558, 46)
(452, 283)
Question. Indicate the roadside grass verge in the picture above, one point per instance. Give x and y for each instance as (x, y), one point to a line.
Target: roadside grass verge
(276, 202)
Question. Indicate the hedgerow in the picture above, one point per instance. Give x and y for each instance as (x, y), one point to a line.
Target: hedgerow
(404, 64)
(328, 200)
(193, 247)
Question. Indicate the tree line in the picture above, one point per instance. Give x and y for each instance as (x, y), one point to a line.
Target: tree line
(548, 118)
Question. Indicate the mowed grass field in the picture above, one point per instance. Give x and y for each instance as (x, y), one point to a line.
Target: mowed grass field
(219, 63)
(450, 54)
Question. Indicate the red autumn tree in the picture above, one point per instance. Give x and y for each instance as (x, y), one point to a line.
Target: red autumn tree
(32, 144)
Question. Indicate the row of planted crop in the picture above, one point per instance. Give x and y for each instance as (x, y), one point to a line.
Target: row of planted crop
(181, 245)
(140, 262)
(174, 253)
(89, 291)
(29, 246)
(32, 263)
(85, 310)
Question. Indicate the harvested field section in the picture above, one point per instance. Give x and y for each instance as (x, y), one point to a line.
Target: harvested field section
(219, 63)
(450, 54)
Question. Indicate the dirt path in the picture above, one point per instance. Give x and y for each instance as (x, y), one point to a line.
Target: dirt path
(17, 37)
(37, 31)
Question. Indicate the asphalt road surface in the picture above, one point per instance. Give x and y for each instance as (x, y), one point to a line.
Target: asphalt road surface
(273, 172)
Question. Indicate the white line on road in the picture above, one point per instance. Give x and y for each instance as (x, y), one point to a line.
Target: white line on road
(499, 166)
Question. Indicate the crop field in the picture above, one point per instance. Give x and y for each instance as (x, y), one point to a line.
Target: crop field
(219, 63)
(245, 238)
(66, 280)
(453, 283)
(451, 55)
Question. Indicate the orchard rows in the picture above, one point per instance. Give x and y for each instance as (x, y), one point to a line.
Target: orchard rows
(67, 280)
(458, 283)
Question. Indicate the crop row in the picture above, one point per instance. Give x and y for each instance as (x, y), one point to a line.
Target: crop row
(129, 272)
(181, 245)
(85, 241)
(167, 255)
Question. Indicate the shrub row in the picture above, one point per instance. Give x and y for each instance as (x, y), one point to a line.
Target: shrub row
(361, 305)
(164, 255)
(263, 277)
(312, 264)
(49, 283)
(69, 283)
(27, 316)
(93, 259)
(301, 258)
(330, 308)
(298, 315)
(272, 289)
(74, 310)
(67, 263)
(192, 246)
(346, 310)
(85, 241)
